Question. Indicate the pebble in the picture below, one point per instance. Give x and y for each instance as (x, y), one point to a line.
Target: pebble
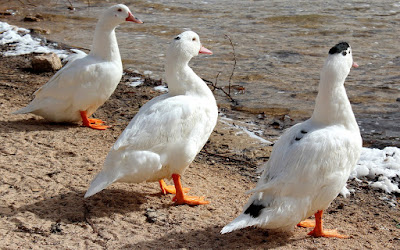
(46, 62)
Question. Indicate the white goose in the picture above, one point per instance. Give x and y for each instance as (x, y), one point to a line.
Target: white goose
(169, 131)
(312, 161)
(76, 91)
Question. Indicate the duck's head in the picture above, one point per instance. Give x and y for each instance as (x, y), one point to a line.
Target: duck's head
(185, 46)
(118, 14)
(339, 61)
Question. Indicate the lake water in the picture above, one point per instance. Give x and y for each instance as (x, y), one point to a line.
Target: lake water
(280, 47)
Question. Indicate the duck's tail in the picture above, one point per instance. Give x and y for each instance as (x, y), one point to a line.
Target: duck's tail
(28, 109)
(242, 221)
(249, 217)
(100, 182)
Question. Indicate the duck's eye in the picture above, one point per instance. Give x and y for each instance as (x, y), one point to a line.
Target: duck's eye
(119, 10)
(194, 39)
(177, 38)
(349, 52)
(344, 53)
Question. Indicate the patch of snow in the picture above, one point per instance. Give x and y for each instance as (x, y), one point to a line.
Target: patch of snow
(21, 42)
(381, 167)
(161, 88)
(253, 134)
(135, 81)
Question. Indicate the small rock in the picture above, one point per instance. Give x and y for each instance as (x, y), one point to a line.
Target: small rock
(56, 228)
(46, 62)
(41, 31)
(32, 19)
(398, 99)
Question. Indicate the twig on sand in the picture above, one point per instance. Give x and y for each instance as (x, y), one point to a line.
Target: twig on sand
(214, 85)
(86, 216)
(234, 63)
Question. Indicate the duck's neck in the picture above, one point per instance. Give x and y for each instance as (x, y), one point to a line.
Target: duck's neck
(332, 105)
(105, 45)
(182, 80)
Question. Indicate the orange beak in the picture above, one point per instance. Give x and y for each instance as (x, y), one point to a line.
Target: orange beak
(355, 65)
(131, 18)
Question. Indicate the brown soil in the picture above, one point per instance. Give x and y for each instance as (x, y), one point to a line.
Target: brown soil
(46, 169)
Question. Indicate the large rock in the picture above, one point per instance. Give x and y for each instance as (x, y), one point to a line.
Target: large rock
(46, 62)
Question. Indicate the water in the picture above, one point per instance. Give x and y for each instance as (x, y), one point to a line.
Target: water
(280, 47)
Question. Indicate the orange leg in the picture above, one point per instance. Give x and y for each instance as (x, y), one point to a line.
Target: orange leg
(169, 189)
(318, 230)
(92, 123)
(180, 197)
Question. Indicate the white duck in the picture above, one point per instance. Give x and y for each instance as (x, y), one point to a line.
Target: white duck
(76, 91)
(169, 131)
(312, 161)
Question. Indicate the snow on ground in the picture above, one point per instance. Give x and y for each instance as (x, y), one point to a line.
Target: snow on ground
(381, 167)
(21, 42)
(161, 88)
(247, 128)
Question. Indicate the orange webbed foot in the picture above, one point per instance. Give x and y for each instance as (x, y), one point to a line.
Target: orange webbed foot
(97, 126)
(190, 200)
(306, 223)
(95, 121)
(180, 198)
(165, 189)
(328, 233)
(92, 123)
(318, 230)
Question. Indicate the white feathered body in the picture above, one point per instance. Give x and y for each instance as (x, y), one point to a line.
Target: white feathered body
(82, 85)
(165, 135)
(296, 181)
(85, 82)
(309, 165)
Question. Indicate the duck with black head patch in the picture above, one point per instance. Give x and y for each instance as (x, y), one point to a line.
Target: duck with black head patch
(311, 161)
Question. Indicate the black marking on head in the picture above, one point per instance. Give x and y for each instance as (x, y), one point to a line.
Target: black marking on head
(339, 48)
(177, 38)
(119, 9)
(303, 132)
(297, 139)
(254, 210)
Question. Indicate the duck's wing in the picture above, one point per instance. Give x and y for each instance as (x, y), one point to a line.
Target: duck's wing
(166, 122)
(306, 157)
(75, 73)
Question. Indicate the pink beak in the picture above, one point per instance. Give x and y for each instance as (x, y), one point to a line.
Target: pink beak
(131, 18)
(204, 50)
(355, 65)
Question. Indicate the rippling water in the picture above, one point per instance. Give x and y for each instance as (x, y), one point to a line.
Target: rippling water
(280, 48)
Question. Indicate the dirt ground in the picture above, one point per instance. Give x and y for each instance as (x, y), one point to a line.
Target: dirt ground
(46, 168)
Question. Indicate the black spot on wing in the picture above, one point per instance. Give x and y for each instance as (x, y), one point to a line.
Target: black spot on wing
(254, 210)
(301, 135)
(339, 48)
